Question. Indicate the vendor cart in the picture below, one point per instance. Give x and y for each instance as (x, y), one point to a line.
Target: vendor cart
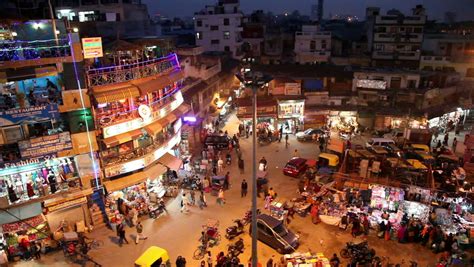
(277, 209)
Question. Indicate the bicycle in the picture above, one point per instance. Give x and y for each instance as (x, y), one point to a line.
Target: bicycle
(200, 252)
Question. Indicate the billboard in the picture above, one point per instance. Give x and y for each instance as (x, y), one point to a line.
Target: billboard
(45, 145)
(29, 115)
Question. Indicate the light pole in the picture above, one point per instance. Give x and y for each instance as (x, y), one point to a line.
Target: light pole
(254, 80)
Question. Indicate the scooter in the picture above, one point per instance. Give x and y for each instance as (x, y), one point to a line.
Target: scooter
(235, 230)
(236, 248)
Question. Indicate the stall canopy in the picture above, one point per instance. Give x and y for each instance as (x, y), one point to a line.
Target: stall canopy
(154, 171)
(125, 182)
(171, 161)
(122, 138)
(160, 82)
(116, 94)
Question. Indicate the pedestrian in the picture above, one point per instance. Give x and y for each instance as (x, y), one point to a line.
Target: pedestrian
(272, 193)
(296, 154)
(139, 228)
(366, 224)
(36, 249)
(268, 200)
(315, 213)
(241, 165)
(203, 263)
(247, 130)
(202, 200)
(184, 203)
(192, 197)
(321, 147)
(455, 142)
(220, 165)
(243, 188)
(270, 262)
(280, 134)
(286, 140)
(121, 234)
(296, 130)
(180, 261)
(446, 138)
(209, 259)
(227, 181)
(220, 197)
(335, 261)
(263, 164)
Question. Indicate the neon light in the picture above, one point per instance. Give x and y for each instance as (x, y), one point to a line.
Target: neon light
(189, 119)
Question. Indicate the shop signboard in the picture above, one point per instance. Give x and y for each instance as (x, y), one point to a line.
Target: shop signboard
(143, 161)
(92, 47)
(336, 145)
(138, 123)
(30, 114)
(45, 145)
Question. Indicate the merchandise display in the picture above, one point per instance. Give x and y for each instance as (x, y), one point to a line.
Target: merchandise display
(307, 259)
(386, 198)
(38, 179)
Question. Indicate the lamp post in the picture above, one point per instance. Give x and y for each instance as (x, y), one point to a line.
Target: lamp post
(254, 80)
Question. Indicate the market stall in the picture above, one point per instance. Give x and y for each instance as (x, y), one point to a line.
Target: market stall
(127, 204)
(308, 259)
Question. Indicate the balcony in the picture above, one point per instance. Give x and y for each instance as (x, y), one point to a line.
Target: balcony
(323, 35)
(409, 55)
(16, 53)
(124, 73)
(144, 158)
(398, 38)
(207, 73)
(382, 55)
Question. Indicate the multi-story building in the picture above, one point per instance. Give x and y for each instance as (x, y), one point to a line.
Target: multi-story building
(394, 38)
(137, 108)
(47, 138)
(107, 18)
(219, 27)
(312, 46)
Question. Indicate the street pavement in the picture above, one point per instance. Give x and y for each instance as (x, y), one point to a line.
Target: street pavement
(179, 233)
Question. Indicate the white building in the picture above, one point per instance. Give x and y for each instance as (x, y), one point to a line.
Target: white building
(219, 27)
(312, 46)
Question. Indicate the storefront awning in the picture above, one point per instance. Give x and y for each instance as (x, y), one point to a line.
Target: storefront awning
(171, 161)
(122, 138)
(125, 182)
(154, 128)
(160, 82)
(154, 171)
(117, 94)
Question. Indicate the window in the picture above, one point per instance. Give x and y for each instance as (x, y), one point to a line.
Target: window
(12, 134)
(215, 41)
(418, 30)
(411, 84)
(226, 22)
(214, 28)
(199, 23)
(227, 48)
(312, 46)
(226, 35)
(323, 46)
(199, 35)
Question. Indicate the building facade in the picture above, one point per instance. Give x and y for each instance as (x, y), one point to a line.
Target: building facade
(395, 38)
(219, 27)
(312, 46)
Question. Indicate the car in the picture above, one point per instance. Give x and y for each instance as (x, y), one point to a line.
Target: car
(307, 135)
(379, 142)
(273, 232)
(295, 167)
(218, 142)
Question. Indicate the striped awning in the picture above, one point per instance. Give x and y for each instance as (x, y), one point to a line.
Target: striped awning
(160, 82)
(117, 94)
(122, 138)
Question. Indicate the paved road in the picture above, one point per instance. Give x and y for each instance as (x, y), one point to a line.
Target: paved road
(179, 233)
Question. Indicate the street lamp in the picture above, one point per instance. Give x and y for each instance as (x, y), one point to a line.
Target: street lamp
(254, 80)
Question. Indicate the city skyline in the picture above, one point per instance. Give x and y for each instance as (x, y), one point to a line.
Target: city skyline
(435, 8)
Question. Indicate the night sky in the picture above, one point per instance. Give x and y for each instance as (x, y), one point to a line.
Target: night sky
(436, 8)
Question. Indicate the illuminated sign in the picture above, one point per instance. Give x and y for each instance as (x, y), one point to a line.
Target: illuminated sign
(144, 111)
(138, 123)
(189, 119)
(372, 84)
(144, 161)
(92, 47)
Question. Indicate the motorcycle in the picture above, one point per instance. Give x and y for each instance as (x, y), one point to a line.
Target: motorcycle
(360, 253)
(235, 249)
(156, 210)
(235, 230)
(248, 217)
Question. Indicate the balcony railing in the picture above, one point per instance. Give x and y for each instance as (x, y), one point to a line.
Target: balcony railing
(28, 50)
(124, 73)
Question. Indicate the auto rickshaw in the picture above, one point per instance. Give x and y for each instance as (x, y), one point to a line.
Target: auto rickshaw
(417, 165)
(379, 152)
(154, 257)
(421, 147)
(328, 160)
(447, 162)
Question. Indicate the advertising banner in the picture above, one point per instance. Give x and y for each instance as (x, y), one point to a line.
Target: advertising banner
(92, 47)
(26, 115)
(45, 145)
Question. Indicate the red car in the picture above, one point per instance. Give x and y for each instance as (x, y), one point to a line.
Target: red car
(295, 167)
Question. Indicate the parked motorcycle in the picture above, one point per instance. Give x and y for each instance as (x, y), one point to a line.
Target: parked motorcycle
(234, 230)
(248, 217)
(360, 253)
(236, 248)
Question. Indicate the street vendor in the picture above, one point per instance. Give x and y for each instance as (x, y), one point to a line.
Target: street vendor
(315, 213)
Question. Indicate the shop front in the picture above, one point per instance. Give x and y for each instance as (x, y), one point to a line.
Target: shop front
(449, 120)
(290, 115)
(343, 120)
(71, 212)
(383, 122)
(267, 112)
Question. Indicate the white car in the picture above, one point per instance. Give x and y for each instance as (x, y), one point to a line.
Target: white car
(307, 135)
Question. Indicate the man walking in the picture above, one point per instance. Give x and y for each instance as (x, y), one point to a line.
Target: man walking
(202, 200)
(220, 197)
(227, 181)
(139, 228)
(184, 203)
(121, 234)
(243, 188)
(286, 140)
(241, 165)
(280, 134)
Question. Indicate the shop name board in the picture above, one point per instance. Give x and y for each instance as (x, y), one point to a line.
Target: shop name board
(372, 84)
(138, 123)
(143, 161)
(292, 89)
(45, 145)
(92, 47)
(31, 114)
